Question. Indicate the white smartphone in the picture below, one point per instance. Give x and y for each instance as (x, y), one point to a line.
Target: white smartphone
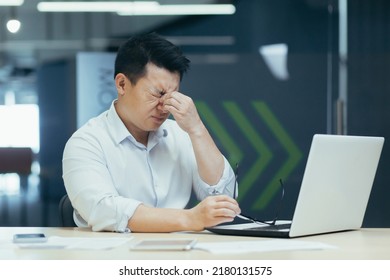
(165, 244)
(29, 238)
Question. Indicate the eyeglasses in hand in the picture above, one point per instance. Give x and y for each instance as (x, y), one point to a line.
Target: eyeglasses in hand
(253, 220)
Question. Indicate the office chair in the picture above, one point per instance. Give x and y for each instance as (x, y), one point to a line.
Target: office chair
(66, 212)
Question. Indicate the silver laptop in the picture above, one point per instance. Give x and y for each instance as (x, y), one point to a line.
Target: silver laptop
(334, 193)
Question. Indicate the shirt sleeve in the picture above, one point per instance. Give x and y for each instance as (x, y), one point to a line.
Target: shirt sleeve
(225, 185)
(91, 190)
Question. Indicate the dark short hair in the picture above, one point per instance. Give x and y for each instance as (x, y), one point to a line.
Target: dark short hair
(136, 52)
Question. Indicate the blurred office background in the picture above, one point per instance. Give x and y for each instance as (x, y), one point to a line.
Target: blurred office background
(266, 75)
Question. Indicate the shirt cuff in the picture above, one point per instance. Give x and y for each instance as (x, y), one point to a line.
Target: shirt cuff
(225, 184)
(124, 219)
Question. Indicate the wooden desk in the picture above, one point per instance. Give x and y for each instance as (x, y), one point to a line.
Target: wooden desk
(364, 244)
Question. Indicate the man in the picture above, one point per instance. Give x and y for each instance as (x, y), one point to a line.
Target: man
(131, 168)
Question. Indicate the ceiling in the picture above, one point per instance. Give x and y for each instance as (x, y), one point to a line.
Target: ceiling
(46, 36)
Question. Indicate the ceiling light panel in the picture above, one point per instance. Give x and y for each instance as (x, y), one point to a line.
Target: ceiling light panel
(11, 2)
(185, 9)
(95, 6)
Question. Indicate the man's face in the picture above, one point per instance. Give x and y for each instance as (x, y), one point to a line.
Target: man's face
(141, 104)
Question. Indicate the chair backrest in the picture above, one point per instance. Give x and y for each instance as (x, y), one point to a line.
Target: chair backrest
(66, 212)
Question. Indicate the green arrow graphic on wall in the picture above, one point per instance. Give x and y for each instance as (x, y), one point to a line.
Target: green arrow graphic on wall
(259, 145)
(294, 154)
(234, 152)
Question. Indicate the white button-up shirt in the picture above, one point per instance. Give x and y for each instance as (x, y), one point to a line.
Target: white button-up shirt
(108, 174)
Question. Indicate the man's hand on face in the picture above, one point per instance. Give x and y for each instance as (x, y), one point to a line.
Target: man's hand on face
(183, 110)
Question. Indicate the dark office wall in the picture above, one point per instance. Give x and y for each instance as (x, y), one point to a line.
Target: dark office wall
(369, 91)
(56, 93)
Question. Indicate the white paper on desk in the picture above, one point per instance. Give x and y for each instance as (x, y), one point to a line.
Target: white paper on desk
(240, 247)
(78, 243)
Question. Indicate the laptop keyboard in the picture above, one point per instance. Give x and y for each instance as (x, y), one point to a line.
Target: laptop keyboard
(271, 227)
